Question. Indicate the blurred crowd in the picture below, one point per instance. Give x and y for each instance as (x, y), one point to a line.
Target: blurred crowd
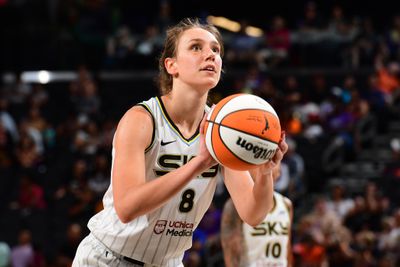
(342, 171)
(122, 34)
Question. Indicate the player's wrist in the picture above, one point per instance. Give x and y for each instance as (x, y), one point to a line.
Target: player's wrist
(202, 163)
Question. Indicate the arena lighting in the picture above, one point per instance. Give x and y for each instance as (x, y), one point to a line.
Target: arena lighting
(43, 76)
(254, 31)
(224, 23)
(234, 26)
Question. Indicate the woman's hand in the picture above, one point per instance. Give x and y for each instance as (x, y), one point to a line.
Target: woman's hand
(267, 167)
(203, 151)
(281, 151)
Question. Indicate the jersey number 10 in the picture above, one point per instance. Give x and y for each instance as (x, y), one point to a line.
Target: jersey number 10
(273, 249)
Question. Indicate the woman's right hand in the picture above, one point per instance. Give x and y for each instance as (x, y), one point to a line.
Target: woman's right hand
(203, 153)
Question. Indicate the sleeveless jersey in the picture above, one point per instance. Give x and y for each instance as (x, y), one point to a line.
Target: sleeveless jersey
(266, 244)
(161, 237)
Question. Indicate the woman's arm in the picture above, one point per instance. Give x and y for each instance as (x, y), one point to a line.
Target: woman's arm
(252, 192)
(133, 196)
(231, 235)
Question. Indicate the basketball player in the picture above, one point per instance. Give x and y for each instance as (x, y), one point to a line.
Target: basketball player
(267, 244)
(163, 177)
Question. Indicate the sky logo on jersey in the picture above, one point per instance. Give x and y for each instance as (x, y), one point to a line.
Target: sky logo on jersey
(175, 228)
(271, 228)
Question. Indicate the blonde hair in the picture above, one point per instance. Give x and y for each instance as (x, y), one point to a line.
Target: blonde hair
(171, 44)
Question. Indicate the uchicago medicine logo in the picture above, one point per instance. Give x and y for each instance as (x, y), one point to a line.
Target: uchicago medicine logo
(175, 228)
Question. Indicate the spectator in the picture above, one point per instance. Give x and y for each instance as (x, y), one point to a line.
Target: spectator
(277, 45)
(100, 179)
(296, 171)
(282, 185)
(88, 101)
(39, 96)
(151, 43)
(242, 49)
(26, 131)
(4, 254)
(164, 19)
(7, 120)
(120, 48)
(339, 202)
(251, 82)
(357, 216)
(80, 196)
(388, 77)
(308, 253)
(385, 237)
(27, 153)
(338, 248)
(6, 148)
(365, 244)
(36, 120)
(392, 38)
(323, 219)
(74, 235)
(391, 172)
(312, 20)
(31, 195)
(17, 93)
(22, 255)
(364, 48)
(196, 255)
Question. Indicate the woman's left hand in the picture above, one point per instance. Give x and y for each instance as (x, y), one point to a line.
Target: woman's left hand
(276, 159)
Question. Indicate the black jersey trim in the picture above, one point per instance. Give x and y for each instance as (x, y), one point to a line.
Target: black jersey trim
(174, 127)
(154, 126)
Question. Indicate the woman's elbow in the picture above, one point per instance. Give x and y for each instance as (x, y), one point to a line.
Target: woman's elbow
(123, 215)
(123, 219)
(255, 218)
(254, 221)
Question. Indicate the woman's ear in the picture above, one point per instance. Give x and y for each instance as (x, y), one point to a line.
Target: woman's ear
(170, 66)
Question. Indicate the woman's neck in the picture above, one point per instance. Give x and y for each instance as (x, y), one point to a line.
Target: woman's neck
(186, 110)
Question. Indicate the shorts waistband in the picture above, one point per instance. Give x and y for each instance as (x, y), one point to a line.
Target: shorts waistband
(125, 258)
(139, 263)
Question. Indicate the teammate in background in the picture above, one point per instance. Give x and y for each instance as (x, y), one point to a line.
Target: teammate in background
(267, 244)
(163, 178)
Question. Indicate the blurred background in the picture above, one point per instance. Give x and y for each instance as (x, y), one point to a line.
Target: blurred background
(70, 69)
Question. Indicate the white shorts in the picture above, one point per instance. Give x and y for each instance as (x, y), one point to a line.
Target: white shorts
(91, 252)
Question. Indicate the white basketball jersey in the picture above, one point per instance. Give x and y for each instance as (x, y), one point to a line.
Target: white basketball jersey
(161, 237)
(266, 244)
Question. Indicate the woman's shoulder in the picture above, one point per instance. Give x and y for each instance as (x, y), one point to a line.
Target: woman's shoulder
(136, 115)
(135, 126)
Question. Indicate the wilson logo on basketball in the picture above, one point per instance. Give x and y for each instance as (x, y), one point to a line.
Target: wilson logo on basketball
(258, 152)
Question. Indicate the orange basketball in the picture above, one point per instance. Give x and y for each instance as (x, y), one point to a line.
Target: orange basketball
(242, 131)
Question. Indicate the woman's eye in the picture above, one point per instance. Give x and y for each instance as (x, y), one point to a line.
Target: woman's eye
(196, 47)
